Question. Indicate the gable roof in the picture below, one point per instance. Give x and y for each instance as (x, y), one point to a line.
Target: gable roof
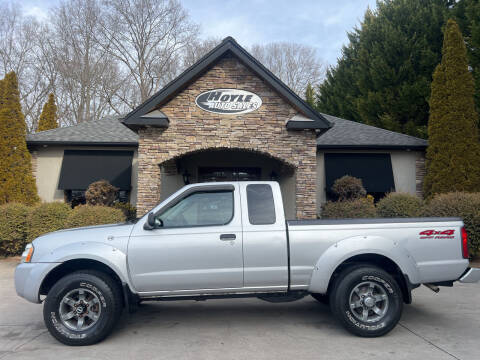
(106, 132)
(136, 118)
(346, 134)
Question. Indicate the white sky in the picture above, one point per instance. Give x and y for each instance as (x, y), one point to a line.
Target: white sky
(322, 24)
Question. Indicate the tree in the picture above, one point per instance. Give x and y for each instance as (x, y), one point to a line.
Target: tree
(310, 95)
(295, 64)
(17, 183)
(147, 37)
(383, 77)
(453, 154)
(48, 118)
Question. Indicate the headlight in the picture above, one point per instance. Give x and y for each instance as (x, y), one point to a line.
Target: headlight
(27, 253)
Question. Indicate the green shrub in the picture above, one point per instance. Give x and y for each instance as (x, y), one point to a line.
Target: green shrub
(13, 228)
(47, 217)
(399, 205)
(349, 209)
(464, 205)
(348, 188)
(128, 209)
(87, 215)
(101, 193)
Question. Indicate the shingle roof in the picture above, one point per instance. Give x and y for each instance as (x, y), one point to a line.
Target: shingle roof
(351, 134)
(108, 131)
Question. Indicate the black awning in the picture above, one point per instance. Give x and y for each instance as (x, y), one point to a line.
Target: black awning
(80, 168)
(375, 170)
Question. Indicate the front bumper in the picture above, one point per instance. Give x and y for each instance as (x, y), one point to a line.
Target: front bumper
(471, 275)
(29, 278)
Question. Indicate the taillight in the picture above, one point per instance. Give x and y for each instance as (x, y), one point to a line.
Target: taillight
(464, 243)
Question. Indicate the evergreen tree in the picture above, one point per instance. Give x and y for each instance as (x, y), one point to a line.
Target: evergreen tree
(453, 154)
(383, 77)
(49, 114)
(17, 183)
(309, 95)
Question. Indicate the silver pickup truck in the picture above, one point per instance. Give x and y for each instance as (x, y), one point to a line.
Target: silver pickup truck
(229, 240)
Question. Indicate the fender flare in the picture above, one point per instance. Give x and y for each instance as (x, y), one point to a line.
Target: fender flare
(103, 253)
(347, 248)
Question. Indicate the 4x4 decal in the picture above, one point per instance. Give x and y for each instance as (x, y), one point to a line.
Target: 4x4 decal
(437, 234)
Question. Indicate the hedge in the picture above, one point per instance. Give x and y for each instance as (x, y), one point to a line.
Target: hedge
(349, 209)
(21, 224)
(87, 215)
(47, 217)
(464, 205)
(400, 205)
(13, 228)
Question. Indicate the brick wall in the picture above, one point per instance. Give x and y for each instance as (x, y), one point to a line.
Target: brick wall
(193, 129)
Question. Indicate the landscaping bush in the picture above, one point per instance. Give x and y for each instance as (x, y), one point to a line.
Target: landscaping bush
(101, 193)
(13, 228)
(400, 205)
(349, 209)
(464, 205)
(348, 188)
(128, 210)
(47, 217)
(87, 215)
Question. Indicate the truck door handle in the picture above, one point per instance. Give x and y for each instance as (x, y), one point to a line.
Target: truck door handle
(227, 237)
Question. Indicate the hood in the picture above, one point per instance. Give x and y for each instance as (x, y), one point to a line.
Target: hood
(113, 234)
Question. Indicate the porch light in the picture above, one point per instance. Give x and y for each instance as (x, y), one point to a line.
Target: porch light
(186, 177)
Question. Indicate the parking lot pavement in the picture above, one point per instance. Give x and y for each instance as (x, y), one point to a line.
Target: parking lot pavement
(436, 326)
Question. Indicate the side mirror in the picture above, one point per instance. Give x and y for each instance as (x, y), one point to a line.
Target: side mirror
(152, 222)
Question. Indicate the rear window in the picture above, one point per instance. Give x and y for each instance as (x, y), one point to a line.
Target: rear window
(261, 208)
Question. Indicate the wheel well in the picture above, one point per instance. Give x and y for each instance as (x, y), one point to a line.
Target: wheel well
(74, 265)
(382, 262)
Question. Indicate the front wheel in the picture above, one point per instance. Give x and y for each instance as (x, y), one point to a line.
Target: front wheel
(82, 308)
(367, 301)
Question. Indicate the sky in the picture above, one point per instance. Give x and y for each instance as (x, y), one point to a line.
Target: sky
(322, 24)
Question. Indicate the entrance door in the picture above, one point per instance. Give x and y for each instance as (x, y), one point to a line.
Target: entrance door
(206, 174)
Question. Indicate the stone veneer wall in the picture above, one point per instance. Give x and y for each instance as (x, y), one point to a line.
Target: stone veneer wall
(193, 129)
(420, 171)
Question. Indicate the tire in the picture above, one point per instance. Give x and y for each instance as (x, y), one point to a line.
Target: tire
(89, 295)
(382, 300)
(321, 298)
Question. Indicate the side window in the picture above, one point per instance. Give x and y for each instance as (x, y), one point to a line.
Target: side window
(261, 208)
(200, 209)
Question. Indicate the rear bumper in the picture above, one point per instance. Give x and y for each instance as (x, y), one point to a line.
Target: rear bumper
(471, 275)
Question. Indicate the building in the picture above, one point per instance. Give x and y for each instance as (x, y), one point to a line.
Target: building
(225, 118)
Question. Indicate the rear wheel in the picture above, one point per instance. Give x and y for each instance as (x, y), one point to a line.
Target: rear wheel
(82, 308)
(367, 301)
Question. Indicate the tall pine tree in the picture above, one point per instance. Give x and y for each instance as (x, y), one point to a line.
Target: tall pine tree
(383, 77)
(17, 183)
(48, 117)
(453, 154)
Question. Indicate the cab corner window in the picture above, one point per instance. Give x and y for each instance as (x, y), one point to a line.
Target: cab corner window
(261, 208)
(203, 208)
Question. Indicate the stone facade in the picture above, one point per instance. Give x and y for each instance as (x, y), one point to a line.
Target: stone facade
(420, 171)
(192, 129)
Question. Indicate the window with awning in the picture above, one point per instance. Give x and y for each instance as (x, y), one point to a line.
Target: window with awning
(375, 170)
(80, 168)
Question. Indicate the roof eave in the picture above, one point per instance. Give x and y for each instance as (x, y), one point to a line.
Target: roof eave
(31, 143)
(370, 147)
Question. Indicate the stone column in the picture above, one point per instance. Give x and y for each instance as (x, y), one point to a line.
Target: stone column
(306, 198)
(149, 181)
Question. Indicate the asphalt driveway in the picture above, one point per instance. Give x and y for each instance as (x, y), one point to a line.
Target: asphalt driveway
(436, 326)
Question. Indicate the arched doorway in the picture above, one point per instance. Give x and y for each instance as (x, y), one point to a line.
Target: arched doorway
(228, 164)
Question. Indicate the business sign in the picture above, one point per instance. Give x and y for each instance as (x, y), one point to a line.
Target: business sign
(228, 101)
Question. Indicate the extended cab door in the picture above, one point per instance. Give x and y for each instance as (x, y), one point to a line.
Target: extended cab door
(197, 244)
(265, 247)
